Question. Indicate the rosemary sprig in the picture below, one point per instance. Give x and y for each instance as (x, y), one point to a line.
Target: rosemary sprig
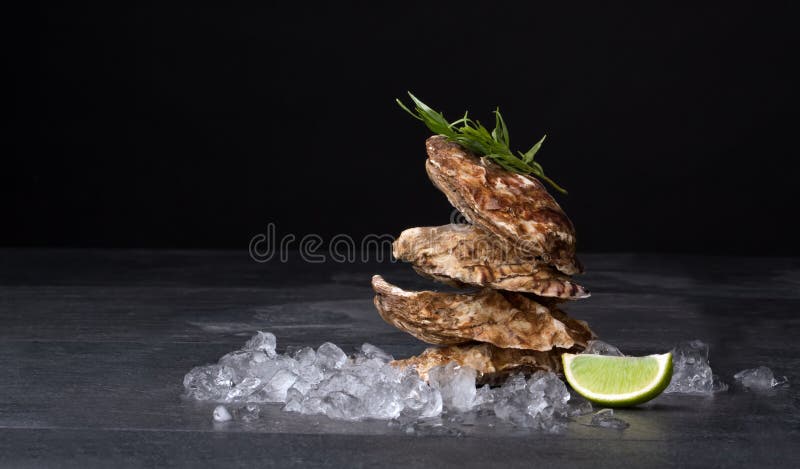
(470, 134)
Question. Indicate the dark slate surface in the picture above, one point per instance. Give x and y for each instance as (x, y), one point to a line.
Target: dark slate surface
(94, 346)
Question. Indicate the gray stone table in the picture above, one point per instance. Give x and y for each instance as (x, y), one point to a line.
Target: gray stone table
(94, 346)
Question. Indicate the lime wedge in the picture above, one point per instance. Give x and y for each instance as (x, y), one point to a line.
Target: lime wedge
(618, 381)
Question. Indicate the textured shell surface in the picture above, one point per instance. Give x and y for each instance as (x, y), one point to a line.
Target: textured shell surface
(492, 363)
(505, 319)
(465, 254)
(514, 207)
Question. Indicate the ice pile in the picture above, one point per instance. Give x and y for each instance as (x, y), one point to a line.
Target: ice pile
(365, 386)
(541, 401)
(311, 381)
(691, 370)
(759, 379)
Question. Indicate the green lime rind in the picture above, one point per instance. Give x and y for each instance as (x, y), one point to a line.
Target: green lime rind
(618, 381)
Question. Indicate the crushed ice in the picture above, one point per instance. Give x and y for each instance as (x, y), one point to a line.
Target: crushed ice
(541, 401)
(691, 370)
(365, 386)
(760, 379)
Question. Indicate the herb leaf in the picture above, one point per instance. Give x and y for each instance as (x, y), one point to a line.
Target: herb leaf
(473, 136)
(528, 155)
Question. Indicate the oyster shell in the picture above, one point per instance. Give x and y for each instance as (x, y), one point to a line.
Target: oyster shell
(493, 364)
(465, 254)
(515, 207)
(505, 319)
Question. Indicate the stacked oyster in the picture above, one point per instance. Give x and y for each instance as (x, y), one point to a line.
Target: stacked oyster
(518, 253)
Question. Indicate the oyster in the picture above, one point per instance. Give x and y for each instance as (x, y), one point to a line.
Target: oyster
(492, 363)
(515, 207)
(505, 319)
(464, 254)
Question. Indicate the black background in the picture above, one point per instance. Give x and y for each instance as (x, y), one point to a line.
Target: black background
(674, 128)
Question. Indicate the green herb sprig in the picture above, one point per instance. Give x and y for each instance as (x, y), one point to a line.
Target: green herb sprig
(470, 134)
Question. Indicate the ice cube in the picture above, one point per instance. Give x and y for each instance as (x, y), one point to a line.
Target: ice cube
(305, 357)
(343, 381)
(372, 352)
(266, 370)
(302, 386)
(551, 388)
(330, 357)
(579, 406)
(514, 383)
(262, 341)
(382, 402)
(456, 383)
(209, 383)
(541, 402)
(598, 347)
(759, 379)
(341, 405)
(418, 396)
(429, 404)
(243, 389)
(242, 361)
(294, 400)
(221, 414)
(691, 372)
(224, 376)
(511, 408)
(605, 419)
(276, 388)
(484, 396)
(311, 374)
(313, 405)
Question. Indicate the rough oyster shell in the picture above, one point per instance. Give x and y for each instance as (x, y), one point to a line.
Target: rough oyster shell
(493, 364)
(515, 207)
(505, 319)
(465, 254)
